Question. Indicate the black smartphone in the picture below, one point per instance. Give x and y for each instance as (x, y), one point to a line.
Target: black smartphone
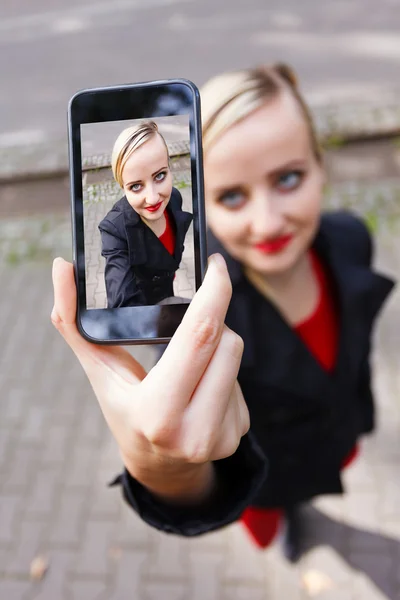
(137, 199)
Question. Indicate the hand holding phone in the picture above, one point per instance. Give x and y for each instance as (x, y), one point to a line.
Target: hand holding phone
(137, 209)
(188, 410)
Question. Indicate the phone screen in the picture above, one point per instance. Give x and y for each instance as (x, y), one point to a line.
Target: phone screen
(137, 207)
(139, 246)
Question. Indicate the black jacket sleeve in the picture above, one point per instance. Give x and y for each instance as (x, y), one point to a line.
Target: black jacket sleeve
(119, 277)
(239, 478)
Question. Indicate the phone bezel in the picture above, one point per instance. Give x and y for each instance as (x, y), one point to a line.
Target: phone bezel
(136, 324)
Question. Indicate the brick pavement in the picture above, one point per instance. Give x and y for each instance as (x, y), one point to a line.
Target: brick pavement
(98, 198)
(56, 456)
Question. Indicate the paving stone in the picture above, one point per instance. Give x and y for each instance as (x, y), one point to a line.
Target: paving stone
(66, 528)
(9, 511)
(244, 560)
(325, 560)
(21, 468)
(81, 466)
(53, 584)
(169, 560)
(57, 443)
(127, 581)
(93, 558)
(14, 590)
(87, 590)
(365, 589)
(43, 493)
(165, 590)
(380, 569)
(206, 576)
(28, 543)
(105, 505)
(131, 532)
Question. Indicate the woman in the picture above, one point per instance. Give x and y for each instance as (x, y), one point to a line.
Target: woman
(304, 300)
(143, 234)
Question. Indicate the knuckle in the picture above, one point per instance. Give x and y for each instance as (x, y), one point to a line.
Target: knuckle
(159, 432)
(198, 451)
(230, 445)
(205, 332)
(235, 343)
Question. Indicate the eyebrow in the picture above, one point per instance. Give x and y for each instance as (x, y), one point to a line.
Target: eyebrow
(155, 173)
(289, 165)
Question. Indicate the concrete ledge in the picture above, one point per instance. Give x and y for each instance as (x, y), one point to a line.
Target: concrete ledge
(336, 125)
(101, 161)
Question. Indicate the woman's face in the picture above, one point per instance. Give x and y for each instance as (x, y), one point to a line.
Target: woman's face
(147, 179)
(264, 188)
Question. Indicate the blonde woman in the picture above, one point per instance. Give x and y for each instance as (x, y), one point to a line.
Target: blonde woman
(303, 305)
(143, 234)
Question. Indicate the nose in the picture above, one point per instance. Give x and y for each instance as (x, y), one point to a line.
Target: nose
(267, 221)
(153, 196)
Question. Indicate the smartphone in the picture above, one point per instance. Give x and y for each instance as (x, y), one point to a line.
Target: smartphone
(137, 203)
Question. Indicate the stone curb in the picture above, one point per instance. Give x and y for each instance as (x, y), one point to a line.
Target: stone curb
(42, 237)
(336, 125)
(101, 161)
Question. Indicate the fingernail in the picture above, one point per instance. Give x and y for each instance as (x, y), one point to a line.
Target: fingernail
(218, 260)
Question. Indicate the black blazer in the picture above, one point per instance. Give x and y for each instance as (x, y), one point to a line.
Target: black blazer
(139, 270)
(304, 421)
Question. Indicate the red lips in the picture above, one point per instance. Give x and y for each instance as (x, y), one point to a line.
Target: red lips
(274, 246)
(154, 208)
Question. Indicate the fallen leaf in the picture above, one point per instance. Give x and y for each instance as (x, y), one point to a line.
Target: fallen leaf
(315, 582)
(38, 568)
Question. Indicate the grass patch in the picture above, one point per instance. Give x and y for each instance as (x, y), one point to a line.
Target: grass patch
(181, 185)
(333, 142)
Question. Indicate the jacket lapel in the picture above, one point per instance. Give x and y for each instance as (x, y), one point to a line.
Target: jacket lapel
(134, 234)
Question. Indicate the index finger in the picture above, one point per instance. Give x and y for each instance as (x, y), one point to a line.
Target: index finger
(194, 342)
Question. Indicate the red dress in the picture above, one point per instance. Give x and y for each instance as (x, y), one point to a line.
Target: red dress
(320, 333)
(168, 238)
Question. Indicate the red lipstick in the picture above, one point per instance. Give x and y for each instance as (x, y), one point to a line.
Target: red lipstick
(274, 246)
(154, 208)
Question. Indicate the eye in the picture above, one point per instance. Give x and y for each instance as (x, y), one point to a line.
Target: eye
(136, 187)
(290, 180)
(160, 176)
(232, 199)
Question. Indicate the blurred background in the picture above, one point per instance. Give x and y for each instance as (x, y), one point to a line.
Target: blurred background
(63, 534)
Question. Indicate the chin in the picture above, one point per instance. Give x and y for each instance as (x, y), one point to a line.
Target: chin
(274, 264)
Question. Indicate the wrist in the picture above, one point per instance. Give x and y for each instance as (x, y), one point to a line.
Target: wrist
(188, 484)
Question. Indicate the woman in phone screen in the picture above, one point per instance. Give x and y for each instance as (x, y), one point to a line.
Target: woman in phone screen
(143, 234)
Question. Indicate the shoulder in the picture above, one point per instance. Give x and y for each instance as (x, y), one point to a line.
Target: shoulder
(113, 222)
(349, 233)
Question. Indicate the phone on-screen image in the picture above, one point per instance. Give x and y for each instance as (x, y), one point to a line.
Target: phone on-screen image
(137, 203)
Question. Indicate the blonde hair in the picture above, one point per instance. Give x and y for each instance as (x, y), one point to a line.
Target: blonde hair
(228, 98)
(127, 142)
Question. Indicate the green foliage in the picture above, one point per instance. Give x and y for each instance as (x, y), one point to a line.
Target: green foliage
(181, 185)
(372, 221)
(396, 142)
(333, 142)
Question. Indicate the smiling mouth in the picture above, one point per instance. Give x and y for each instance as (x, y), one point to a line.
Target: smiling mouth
(154, 208)
(274, 246)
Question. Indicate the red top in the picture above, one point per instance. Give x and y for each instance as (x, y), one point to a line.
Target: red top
(168, 238)
(319, 331)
